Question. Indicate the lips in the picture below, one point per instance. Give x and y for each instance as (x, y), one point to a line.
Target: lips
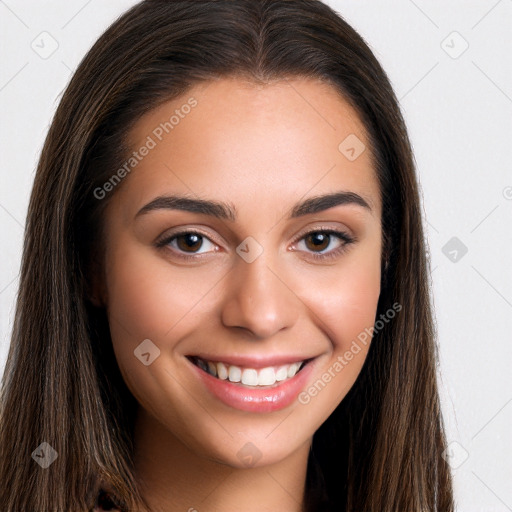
(249, 397)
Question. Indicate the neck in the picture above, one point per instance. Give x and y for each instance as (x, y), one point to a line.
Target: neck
(174, 478)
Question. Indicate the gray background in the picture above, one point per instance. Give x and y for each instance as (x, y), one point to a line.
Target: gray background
(450, 64)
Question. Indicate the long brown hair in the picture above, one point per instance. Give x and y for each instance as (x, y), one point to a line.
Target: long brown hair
(381, 449)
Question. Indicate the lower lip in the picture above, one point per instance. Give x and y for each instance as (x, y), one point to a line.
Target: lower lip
(256, 400)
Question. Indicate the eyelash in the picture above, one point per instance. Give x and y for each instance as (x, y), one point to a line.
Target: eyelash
(341, 235)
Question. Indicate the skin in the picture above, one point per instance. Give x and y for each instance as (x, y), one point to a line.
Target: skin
(261, 149)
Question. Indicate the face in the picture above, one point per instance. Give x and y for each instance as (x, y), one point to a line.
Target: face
(244, 244)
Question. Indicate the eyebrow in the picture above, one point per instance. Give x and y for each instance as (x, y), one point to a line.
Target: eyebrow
(227, 211)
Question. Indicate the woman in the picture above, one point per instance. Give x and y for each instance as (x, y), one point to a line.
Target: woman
(224, 299)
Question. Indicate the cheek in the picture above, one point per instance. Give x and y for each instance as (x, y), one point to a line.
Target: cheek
(345, 305)
(146, 300)
(344, 298)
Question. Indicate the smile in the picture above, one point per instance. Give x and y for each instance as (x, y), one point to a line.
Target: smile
(249, 376)
(253, 385)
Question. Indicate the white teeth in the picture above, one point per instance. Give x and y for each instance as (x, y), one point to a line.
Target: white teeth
(250, 376)
(234, 374)
(222, 371)
(292, 369)
(266, 377)
(282, 373)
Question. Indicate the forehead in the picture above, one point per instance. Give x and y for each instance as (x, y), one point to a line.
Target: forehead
(261, 145)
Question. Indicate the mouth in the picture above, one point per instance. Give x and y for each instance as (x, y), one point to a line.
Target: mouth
(253, 378)
(253, 384)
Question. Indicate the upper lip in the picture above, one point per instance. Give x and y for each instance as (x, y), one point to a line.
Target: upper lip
(255, 362)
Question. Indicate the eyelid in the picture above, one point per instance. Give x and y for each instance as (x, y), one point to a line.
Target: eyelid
(315, 229)
(163, 239)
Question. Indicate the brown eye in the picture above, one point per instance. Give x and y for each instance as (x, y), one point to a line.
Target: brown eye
(319, 240)
(317, 243)
(189, 242)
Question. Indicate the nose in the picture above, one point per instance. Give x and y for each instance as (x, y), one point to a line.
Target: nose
(258, 299)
